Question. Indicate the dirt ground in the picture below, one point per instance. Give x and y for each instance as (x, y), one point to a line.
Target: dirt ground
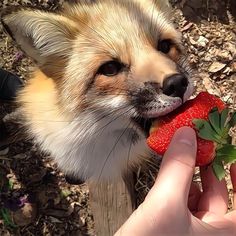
(36, 198)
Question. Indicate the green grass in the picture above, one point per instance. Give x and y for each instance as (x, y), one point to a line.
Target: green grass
(5, 216)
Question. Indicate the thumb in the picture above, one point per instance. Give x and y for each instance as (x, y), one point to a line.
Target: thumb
(171, 187)
(177, 168)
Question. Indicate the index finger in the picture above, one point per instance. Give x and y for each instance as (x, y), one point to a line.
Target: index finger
(215, 194)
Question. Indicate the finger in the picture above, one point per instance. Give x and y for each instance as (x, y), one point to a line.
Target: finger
(216, 225)
(215, 194)
(194, 197)
(233, 180)
(177, 168)
(232, 217)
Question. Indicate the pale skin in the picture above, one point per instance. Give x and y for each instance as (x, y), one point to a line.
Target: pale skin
(175, 206)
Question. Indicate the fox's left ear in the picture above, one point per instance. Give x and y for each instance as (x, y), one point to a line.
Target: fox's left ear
(164, 5)
(40, 34)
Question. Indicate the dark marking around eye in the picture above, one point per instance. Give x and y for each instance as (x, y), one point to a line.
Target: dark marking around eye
(110, 68)
(165, 46)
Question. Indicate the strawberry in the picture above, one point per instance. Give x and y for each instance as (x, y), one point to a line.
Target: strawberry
(208, 115)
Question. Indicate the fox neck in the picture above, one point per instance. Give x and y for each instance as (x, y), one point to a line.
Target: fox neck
(87, 146)
(102, 150)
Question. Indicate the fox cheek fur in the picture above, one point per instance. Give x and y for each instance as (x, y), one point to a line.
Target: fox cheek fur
(105, 69)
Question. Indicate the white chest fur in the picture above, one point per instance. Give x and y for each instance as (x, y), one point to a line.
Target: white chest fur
(93, 147)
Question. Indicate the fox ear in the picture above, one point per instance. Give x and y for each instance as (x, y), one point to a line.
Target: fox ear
(164, 5)
(40, 34)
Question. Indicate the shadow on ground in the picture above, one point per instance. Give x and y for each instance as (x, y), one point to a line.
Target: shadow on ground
(212, 10)
(36, 196)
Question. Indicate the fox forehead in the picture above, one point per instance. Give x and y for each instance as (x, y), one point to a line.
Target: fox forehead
(117, 26)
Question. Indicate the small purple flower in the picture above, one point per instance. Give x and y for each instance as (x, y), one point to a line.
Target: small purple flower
(14, 204)
(18, 56)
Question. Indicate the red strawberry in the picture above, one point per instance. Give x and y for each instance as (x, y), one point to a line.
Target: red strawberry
(202, 114)
(205, 152)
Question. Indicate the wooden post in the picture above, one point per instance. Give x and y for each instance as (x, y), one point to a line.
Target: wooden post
(111, 204)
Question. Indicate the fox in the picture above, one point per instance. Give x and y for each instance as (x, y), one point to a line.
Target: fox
(104, 70)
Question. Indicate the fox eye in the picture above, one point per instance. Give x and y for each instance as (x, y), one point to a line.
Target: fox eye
(165, 46)
(110, 68)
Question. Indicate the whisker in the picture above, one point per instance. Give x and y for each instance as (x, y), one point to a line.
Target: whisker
(109, 113)
(130, 146)
(113, 147)
(117, 117)
(98, 133)
(79, 120)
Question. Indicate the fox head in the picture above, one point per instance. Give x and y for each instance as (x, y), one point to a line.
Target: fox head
(107, 68)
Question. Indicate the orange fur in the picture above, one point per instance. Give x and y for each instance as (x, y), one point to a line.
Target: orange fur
(39, 102)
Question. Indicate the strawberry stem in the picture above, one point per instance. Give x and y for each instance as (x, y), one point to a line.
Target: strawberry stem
(217, 130)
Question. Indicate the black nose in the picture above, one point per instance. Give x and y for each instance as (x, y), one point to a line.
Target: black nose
(175, 85)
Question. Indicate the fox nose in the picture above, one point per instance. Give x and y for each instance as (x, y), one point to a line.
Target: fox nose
(175, 85)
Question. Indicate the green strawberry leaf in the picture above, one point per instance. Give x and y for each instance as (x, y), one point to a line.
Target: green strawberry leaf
(227, 149)
(214, 118)
(228, 159)
(223, 117)
(227, 154)
(218, 169)
(205, 130)
(232, 121)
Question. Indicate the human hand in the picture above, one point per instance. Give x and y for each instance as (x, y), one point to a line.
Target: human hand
(175, 206)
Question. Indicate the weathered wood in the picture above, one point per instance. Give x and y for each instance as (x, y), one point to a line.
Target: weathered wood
(111, 204)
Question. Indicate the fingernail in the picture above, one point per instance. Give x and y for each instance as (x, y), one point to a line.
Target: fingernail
(186, 135)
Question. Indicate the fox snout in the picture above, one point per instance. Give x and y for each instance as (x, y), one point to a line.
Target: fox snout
(159, 81)
(175, 85)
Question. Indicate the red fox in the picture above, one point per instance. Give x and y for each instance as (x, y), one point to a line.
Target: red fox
(105, 70)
